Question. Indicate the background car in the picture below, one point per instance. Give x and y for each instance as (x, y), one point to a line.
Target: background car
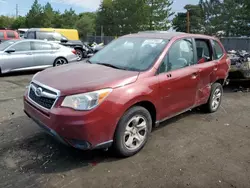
(18, 55)
(6, 34)
(55, 36)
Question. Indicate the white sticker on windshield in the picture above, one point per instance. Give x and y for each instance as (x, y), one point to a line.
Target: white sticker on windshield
(152, 42)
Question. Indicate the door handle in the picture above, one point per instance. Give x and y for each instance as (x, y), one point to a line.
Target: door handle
(29, 53)
(215, 68)
(169, 75)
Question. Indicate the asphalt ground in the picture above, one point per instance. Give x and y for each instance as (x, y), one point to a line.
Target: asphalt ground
(191, 150)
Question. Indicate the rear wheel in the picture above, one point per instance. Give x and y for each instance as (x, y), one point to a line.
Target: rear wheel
(60, 61)
(132, 131)
(79, 54)
(215, 98)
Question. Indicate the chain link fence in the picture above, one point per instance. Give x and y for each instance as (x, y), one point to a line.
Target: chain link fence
(99, 39)
(236, 43)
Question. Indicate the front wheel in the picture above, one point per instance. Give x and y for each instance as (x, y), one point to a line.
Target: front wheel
(215, 98)
(132, 131)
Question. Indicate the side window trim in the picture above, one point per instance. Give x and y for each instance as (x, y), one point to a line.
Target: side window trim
(191, 39)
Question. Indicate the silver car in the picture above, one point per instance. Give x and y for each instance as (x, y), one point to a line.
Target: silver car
(18, 55)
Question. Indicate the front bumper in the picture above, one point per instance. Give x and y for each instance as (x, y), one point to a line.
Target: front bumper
(82, 130)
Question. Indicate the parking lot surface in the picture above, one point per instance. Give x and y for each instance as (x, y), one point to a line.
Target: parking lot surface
(191, 150)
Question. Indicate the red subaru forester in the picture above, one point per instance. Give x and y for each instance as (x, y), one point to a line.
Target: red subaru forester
(131, 85)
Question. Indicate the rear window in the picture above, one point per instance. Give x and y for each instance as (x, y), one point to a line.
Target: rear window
(42, 46)
(11, 34)
(31, 35)
(218, 50)
(44, 35)
(1, 34)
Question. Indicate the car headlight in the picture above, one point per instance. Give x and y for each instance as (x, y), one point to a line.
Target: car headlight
(86, 101)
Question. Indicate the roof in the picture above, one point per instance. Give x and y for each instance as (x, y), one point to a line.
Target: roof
(165, 35)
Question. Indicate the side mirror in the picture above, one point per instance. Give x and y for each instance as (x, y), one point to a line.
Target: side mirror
(64, 40)
(11, 50)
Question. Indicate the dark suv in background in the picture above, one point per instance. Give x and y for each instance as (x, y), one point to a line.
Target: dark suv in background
(81, 49)
(7, 34)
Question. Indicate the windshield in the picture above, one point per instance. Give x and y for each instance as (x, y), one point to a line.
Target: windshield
(137, 54)
(6, 44)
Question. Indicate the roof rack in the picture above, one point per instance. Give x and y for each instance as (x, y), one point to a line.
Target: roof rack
(155, 31)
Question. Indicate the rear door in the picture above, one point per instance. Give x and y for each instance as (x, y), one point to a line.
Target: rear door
(11, 35)
(20, 59)
(207, 67)
(178, 80)
(44, 53)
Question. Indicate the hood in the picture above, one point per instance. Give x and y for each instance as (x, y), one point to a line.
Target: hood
(84, 77)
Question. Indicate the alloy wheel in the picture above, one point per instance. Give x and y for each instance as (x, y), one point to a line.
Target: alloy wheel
(216, 98)
(60, 61)
(136, 132)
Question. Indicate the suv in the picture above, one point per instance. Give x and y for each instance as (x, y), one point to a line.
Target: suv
(80, 48)
(127, 88)
(6, 34)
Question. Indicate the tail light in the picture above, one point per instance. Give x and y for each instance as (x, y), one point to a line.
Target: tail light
(74, 52)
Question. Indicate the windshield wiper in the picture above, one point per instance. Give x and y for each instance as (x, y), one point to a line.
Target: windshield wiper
(109, 65)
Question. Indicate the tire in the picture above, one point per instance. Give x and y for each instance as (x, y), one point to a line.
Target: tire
(79, 54)
(211, 106)
(60, 61)
(128, 143)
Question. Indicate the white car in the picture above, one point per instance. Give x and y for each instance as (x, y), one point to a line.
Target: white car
(18, 55)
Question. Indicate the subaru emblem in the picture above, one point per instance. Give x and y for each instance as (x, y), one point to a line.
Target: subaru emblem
(38, 92)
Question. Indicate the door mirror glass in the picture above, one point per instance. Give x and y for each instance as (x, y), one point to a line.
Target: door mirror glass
(11, 50)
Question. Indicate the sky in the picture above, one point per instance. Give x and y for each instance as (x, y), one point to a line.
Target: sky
(8, 7)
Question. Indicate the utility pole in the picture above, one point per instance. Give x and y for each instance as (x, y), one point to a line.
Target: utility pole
(16, 10)
(102, 33)
(188, 22)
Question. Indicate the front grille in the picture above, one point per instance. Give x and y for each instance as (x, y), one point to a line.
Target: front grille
(45, 99)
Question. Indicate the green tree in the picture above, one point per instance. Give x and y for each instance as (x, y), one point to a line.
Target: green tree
(85, 25)
(57, 22)
(196, 20)
(34, 18)
(105, 18)
(19, 22)
(6, 21)
(69, 18)
(159, 12)
(48, 15)
(130, 16)
(180, 22)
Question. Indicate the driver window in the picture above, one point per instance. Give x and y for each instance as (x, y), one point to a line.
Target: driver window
(22, 46)
(180, 55)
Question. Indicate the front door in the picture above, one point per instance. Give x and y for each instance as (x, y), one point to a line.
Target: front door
(178, 80)
(21, 59)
